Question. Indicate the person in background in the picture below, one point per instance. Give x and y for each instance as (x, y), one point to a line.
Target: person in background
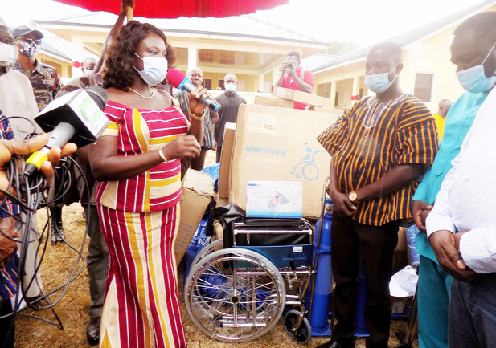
(46, 84)
(88, 65)
(230, 102)
(136, 162)
(97, 260)
(434, 282)
(373, 176)
(211, 117)
(293, 76)
(17, 102)
(461, 227)
(44, 78)
(440, 117)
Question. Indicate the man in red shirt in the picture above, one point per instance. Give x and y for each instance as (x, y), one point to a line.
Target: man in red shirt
(293, 76)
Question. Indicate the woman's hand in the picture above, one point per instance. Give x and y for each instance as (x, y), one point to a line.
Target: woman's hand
(182, 147)
(196, 106)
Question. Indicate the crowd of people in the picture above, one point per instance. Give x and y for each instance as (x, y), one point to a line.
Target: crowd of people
(389, 168)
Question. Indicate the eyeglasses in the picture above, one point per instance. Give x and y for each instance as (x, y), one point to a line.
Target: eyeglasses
(30, 41)
(8, 41)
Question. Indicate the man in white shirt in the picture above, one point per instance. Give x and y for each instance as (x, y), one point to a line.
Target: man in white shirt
(462, 225)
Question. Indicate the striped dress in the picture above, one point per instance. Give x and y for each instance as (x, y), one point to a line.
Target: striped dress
(138, 217)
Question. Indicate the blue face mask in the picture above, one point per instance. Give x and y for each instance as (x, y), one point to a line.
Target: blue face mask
(379, 83)
(474, 79)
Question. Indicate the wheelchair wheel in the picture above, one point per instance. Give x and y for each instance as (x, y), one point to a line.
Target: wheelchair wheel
(234, 295)
(208, 249)
(303, 333)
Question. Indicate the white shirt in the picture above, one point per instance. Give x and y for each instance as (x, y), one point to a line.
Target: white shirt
(17, 99)
(467, 199)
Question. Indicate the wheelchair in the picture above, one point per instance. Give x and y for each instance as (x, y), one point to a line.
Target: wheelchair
(239, 287)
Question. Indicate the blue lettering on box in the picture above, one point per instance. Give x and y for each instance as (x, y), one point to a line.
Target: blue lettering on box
(266, 150)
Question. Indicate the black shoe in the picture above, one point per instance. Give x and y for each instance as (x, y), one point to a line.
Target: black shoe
(334, 344)
(57, 234)
(93, 331)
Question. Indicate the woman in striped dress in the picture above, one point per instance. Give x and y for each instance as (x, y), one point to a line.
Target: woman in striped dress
(137, 161)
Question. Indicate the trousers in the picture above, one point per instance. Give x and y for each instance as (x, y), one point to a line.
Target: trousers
(31, 263)
(472, 313)
(432, 304)
(98, 262)
(351, 240)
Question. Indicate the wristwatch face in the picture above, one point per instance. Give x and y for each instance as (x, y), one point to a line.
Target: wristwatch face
(353, 196)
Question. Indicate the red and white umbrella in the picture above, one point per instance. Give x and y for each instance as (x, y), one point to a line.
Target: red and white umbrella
(180, 8)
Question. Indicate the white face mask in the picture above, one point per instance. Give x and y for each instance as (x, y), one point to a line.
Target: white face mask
(230, 87)
(7, 54)
(154, 69)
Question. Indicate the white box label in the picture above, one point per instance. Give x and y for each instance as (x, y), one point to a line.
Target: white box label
(297, 249)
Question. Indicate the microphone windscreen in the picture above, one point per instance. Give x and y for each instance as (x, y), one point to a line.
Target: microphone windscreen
(175, 77)
(99, 96)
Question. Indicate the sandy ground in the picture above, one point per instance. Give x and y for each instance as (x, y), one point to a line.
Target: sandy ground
(73, 306)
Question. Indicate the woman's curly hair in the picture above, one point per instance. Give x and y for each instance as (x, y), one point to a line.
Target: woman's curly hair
(119, 64)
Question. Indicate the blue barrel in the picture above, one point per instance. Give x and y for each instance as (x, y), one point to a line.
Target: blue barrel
(413, 256)
(361, 327)
(324, 277)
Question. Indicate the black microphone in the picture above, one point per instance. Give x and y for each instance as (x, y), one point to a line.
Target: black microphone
(75, 117)
(178, 80)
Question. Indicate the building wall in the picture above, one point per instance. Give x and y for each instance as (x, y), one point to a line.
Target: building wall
(430, 56)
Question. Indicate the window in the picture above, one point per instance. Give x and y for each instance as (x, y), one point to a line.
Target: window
(336, 99)
(221, 84)
(423, 87)
(360, 93)
(207, 83)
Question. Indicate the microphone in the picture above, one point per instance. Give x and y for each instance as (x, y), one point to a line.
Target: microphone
(178, 80)
(75, 117)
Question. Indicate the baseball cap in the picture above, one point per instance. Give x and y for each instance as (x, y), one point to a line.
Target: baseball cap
(23, 30)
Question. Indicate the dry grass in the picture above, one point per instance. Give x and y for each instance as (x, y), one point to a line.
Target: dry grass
(73, 307)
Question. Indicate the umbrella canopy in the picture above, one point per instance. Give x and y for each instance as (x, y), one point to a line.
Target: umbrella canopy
(180, 8)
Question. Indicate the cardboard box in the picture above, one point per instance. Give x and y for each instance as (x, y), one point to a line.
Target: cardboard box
(274, 199)
(302, 97)
(198, 188)
(272, 101)
(282, 92)
(225, 159)
(280, 144)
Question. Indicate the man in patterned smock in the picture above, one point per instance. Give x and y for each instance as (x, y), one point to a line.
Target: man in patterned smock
(380, 147)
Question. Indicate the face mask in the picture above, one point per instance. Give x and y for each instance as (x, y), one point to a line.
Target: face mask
(379, 83)
(230, 87)
(29, 49)
(7, 54)
(154, 69)
(474, 80)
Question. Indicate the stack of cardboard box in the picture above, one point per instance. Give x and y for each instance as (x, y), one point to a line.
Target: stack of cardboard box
(274, 142)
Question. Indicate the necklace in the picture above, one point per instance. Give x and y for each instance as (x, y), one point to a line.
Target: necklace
(375, 111)
(142, 96)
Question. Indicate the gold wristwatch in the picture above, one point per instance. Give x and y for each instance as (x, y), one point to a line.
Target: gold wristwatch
(353, 197)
